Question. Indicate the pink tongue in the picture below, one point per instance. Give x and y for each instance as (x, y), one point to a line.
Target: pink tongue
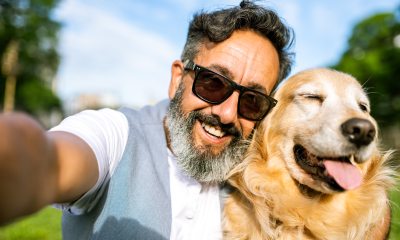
(345, 174)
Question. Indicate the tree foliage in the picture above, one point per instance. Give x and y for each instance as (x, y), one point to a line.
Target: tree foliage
(29, 22)
(373, 57)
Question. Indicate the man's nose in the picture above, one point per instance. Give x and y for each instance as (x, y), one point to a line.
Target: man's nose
(227, 110)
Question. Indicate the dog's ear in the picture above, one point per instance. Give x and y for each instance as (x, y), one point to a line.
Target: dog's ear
(177, 72)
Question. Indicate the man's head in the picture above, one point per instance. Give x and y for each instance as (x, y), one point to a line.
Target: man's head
(247, 45)
(219, 25)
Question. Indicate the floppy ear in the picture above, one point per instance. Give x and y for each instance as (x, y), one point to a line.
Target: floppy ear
(176, 77)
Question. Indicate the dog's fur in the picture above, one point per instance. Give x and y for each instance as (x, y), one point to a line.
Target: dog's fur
(278, 199)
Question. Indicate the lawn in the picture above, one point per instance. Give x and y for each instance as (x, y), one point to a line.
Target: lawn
(395, 201)
(46, 224)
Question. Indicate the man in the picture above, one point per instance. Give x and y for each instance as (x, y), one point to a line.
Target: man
(154, 173)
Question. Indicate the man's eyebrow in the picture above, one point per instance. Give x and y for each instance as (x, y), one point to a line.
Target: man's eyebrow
(257, 87)
(225, 72)
(222, 70)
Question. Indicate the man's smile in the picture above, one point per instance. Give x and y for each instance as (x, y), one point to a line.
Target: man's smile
(212, 136)
(213, 130)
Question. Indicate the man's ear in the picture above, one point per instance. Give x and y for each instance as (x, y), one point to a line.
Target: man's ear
(177, 72)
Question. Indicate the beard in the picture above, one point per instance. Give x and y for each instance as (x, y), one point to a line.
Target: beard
(200, 162)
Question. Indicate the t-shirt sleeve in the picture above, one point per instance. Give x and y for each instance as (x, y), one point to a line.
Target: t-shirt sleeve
(106, 132)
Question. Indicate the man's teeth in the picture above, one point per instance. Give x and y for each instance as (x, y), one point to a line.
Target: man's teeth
(212, 130)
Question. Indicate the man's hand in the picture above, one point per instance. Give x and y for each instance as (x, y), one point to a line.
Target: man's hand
(39, 168)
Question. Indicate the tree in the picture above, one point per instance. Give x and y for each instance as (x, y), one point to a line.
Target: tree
(29, 24)
(373, 57)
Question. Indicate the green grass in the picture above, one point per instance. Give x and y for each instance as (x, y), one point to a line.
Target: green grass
(395, 203)
(44, 225)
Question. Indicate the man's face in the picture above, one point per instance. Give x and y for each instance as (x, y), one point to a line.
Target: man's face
(209, 139)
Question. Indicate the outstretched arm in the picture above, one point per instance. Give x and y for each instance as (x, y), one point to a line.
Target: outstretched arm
(38, 168)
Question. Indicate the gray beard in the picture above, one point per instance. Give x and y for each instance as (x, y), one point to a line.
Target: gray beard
(200, 163)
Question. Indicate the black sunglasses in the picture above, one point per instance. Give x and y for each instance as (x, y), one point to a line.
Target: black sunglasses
(215, 88)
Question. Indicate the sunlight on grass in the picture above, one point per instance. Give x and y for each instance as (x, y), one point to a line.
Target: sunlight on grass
(44, 225)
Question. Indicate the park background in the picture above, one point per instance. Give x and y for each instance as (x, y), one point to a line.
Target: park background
(59, 57)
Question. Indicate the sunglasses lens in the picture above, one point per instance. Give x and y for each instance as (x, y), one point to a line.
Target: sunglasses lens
(253, 106)
(211, 87)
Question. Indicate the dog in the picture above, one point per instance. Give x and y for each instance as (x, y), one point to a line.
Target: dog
(314, 169)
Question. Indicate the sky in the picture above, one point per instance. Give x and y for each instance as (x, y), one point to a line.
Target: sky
(122, 50)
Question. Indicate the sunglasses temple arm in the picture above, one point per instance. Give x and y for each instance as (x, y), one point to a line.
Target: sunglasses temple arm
(188, 64)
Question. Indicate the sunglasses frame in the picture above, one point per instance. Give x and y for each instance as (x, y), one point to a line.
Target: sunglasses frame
(190, 65)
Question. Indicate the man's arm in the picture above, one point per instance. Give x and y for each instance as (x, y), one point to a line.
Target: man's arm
(38, 168)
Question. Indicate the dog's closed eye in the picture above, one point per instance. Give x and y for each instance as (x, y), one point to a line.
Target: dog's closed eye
(313, 96)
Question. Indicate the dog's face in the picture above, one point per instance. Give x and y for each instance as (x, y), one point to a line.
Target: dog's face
(323, 129)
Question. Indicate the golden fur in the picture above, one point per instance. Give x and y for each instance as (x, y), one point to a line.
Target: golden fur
(277, 199)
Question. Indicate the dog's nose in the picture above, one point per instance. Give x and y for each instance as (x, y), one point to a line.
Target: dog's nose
(359, 131)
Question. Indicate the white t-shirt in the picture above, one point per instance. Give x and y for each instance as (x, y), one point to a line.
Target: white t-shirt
(195, 207)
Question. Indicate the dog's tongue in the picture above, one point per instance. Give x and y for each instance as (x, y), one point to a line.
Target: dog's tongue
(345, 174)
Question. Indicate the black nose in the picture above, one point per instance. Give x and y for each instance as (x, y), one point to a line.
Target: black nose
(359, 131)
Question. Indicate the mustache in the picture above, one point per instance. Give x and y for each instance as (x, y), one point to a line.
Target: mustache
(215, 120)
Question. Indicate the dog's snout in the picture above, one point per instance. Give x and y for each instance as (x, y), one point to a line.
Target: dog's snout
(359, 131)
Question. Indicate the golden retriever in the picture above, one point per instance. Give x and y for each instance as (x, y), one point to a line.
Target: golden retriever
(313, 170)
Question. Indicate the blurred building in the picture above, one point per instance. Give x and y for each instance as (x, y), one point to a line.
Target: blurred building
(90, 101)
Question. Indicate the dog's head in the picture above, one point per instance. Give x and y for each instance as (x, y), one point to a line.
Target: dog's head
(323, 129)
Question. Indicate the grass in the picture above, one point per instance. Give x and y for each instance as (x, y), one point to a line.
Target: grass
(395, 203)
(46, 224)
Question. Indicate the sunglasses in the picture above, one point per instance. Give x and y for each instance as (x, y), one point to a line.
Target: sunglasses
(215, 88)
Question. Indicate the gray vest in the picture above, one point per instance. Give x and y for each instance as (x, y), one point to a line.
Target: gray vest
(136, 203)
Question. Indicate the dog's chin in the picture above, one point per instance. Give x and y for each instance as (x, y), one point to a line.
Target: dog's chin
(317, 180)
